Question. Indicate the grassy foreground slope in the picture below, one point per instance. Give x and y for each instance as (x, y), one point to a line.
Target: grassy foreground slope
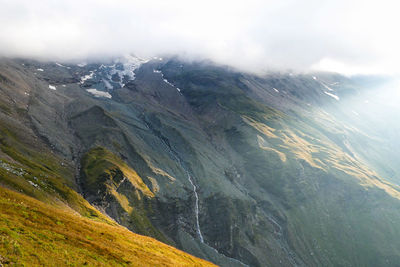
(33, 233)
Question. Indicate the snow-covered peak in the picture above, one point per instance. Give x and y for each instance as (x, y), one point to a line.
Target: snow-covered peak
(129, 64)
(113, 75)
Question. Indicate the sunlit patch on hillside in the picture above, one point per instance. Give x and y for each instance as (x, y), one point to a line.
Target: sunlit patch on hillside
(263, 145)
(35, 234)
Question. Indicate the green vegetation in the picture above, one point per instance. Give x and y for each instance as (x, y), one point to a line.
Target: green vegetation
(36, 234)
(106, 175)
(37, 172)
(100, 165)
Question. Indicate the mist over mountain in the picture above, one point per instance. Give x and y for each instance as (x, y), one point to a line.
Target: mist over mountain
(181, 133)
(283, 169)
(255, 36)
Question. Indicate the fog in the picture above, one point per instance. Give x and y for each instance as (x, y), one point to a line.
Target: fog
(345, 36)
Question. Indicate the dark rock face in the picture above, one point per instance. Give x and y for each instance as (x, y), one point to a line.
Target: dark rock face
(275, 166)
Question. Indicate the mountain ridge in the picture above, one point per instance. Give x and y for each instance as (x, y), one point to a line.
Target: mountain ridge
(270, 159)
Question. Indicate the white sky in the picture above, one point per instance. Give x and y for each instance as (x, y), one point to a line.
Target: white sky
(351, 36)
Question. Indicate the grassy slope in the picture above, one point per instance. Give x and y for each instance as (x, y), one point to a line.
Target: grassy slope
(37, 172)
(35, 234)
(99, 162)
(106, 175)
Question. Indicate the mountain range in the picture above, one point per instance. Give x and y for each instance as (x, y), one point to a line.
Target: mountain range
(238, 169)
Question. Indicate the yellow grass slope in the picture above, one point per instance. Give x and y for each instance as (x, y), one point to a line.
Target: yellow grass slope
(33, 233)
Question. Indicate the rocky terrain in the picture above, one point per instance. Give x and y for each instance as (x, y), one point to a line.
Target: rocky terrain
(284, 169)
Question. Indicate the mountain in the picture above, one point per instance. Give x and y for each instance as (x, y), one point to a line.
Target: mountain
(37, 234)
(284, 169)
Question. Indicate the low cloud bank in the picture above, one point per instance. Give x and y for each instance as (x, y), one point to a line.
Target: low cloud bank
(344, 36)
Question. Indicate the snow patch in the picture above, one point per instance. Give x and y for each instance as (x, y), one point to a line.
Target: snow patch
(327, 87)
(276, 90)
(61, 65)
(130, 63)
(87, 77)
(40, 69)
(83, 64)
(52, 87)
(332, 95)
(98, 93)
(123, 67)
(165, 80)
(323, 84)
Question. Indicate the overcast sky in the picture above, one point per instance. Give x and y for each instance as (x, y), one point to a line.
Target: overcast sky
(352, 36)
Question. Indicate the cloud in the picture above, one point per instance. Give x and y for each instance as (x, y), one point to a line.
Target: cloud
(254, 35)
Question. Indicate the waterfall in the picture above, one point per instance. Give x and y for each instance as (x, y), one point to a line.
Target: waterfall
(175, 155)
(196, 207)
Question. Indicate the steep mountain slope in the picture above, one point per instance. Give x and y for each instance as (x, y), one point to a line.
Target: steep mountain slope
(234, 168)
(62, 228)
(35, 234)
